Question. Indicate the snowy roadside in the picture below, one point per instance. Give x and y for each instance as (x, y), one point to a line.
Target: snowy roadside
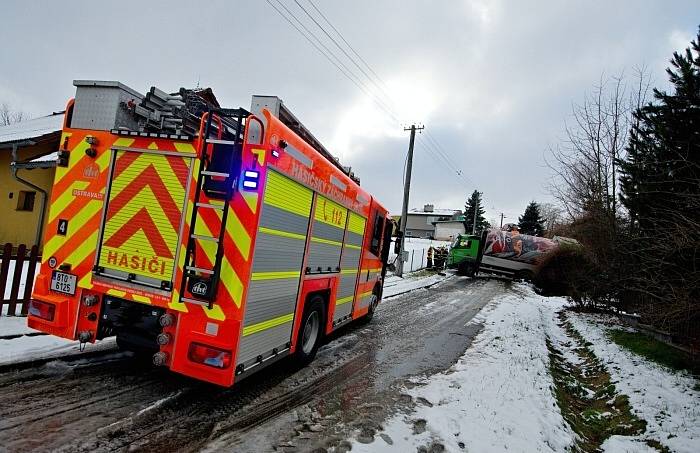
(500, 396)
(665, 399)
(394, 286)
(19, 343)
(496, 398)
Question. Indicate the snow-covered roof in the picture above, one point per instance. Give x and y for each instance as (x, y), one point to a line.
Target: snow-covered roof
(435, 211)
(32, 129)
(51, 157)
(46, 161)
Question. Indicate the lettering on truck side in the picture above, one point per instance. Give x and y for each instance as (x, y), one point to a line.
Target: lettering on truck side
(153, 264)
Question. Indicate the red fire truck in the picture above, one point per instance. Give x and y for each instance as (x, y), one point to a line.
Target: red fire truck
(219, 240)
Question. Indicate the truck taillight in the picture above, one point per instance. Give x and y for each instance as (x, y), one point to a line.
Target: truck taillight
(207, 355)
(43, 310)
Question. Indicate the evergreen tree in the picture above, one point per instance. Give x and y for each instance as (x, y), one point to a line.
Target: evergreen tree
(475, 201)
(660, 181)
(661, 173)
(531, 221)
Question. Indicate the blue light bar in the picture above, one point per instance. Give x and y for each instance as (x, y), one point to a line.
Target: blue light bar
(250, 179)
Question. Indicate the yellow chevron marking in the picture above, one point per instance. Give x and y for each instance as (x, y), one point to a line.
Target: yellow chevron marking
(76, 222)
(327, 241)
(343, 300)
(257, 276)
(153, 146)
(363, 295)
(261, 155)
(86, 281)
(116, 292)
(348, 271)
(75, 155)
(354, 247)
(142, 299)
(229, 278)
(251, 199)
(231, 282)
(270, 323)
(175, 303)
(281, 233)
(85, 249)
(184, 147)
(65, 199)
(215, 313)
(238, 233)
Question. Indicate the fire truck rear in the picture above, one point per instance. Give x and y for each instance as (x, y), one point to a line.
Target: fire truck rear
(218, 240)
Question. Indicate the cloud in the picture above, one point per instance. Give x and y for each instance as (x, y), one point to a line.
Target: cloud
(492, 81)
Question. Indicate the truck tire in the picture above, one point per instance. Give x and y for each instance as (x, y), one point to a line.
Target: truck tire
(310, 330)
(371, 309)
(466, 269)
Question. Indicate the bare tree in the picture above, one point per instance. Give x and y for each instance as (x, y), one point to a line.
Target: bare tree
(585, 164)
(552, 215)
(9, 116)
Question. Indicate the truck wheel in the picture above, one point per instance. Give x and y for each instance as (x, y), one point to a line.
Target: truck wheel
(371, 309)
(310, 330)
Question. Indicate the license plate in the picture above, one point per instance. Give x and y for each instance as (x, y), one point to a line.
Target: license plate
(64, 283)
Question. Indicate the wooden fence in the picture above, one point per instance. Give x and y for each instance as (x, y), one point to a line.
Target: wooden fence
(11, 277)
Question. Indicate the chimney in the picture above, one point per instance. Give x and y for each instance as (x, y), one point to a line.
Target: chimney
(428, 208)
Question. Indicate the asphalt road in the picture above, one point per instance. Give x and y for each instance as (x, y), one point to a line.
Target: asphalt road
(113, 402)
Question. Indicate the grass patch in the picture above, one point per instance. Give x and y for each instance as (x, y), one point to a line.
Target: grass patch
(586, 396)
(654, 350)
(658, 446)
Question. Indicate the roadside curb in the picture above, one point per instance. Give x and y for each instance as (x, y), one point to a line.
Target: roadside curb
(419, 287)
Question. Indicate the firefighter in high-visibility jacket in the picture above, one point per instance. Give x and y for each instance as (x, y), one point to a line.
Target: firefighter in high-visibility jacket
(430, 257)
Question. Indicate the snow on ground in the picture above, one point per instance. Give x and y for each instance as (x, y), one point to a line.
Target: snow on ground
(667, 400)
(24, 349)
(393, 286)
(418, 251)
(497, 397)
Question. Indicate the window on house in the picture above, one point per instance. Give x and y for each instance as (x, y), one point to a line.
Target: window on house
(25, 200)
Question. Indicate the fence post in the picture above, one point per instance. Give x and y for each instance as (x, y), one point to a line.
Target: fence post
(4, 267)
(422, 255)
(19, 265)
(412, 253)
(29, 281)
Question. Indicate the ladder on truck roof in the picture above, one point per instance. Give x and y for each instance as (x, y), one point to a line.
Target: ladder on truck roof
(217, 178)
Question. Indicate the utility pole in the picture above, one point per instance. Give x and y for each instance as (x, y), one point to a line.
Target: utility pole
(476, 213)
(406, 190)
(502, 217)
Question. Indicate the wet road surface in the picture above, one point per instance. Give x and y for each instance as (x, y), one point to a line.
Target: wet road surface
(114, 402)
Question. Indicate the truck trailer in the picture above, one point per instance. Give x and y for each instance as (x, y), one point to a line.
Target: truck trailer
(504, 253)
(218, 240)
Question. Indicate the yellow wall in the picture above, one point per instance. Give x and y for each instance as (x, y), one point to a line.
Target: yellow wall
(19, 227)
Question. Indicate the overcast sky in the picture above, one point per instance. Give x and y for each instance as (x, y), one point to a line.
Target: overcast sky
(492, 81)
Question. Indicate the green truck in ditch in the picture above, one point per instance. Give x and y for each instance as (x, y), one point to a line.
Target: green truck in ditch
(505, 253)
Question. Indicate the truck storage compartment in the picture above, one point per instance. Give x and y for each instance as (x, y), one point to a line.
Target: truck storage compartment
(143, 217)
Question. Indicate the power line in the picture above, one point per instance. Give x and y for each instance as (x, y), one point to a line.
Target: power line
(430, 143)
(348, 44)
(348, 74)
(341, 48)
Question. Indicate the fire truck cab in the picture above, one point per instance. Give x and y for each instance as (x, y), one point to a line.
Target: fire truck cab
(218, 240)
